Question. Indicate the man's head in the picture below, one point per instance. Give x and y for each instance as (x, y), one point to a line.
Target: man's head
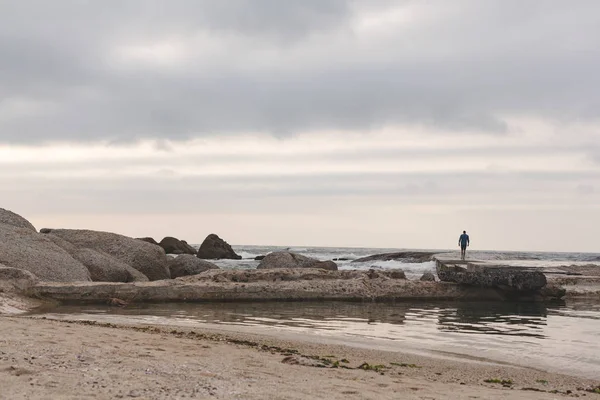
(464, 231)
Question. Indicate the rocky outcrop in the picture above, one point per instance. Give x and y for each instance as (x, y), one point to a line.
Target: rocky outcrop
(10, 218)
(486, 275)
(104, 268)
(275, 285)
(149, 240)
(23, 248)
(427, 277)
(286, 259)
(187, 264)
(147, 258)
(13, 279)
(404, 256)
(215, 248)
(173, 245)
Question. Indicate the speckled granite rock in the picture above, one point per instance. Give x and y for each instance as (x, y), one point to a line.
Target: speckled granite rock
(23, 248)
(145, 257)
(105, 268)
(286, 259)
(10, 218)
(485, 275)
(187, 264)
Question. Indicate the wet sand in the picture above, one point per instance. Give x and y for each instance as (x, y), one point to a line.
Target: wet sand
(45, 359)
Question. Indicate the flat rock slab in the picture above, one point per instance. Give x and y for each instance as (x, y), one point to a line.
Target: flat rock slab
(484, 274)
(275, 285)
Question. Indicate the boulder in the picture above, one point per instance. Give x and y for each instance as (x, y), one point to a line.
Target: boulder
(24, 248)
(10, 218)
(214, 248)
(173, 245)
(147, 258)
(149, 240)
(428, 277)
(12, 279)
(404, 256)
(105, 268)
(187, 264)
(377, 273)
(519, 279)
(286, 259)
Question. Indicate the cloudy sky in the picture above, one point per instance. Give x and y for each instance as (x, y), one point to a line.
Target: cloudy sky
(379, 123)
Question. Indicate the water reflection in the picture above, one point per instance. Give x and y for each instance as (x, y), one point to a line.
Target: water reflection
(520, 319)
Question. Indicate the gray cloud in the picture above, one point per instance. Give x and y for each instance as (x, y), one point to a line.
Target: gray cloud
(463, 66)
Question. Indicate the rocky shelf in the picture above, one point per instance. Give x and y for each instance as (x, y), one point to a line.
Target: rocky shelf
(269, 285)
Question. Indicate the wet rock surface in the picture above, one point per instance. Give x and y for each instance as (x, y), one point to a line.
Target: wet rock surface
(404, 256)
(215, 248)
(285, 259)
(487, 275)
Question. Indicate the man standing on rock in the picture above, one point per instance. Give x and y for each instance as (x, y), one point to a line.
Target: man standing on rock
(463, 242)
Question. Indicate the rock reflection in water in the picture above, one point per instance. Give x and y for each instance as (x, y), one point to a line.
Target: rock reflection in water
(518, 319)
(521, 319)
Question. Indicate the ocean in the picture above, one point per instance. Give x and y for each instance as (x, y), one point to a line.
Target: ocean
(344, 257)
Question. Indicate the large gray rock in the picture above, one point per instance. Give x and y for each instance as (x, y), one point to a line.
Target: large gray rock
(147, 258)
(215, 248)
(404, 256)
(187, 264)
(286, 259)
(149, 240)
(10, 218)
(173, 245)
(26, 249)
(427, 277)
(16, 279)
(507, 278)
(105, 268)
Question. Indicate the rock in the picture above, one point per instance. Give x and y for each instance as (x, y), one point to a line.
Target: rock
(102, 266)
(259, 258)
(377, 273)
(395, 274)
(147, 258)
(24, 248)
(428, 277)
(149, 240)
(286, 259)
(175, 246)
(105, 268)
(10, 218)
(214, 248)
(507, 278)
(404, 256)
(187, 264)
(553, 292)
(16, 279)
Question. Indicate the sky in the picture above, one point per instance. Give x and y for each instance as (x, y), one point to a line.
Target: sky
(364, 123)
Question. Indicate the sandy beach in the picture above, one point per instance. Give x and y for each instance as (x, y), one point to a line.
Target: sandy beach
(48, 359)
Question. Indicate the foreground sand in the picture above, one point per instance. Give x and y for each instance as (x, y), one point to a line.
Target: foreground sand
(44, 359)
